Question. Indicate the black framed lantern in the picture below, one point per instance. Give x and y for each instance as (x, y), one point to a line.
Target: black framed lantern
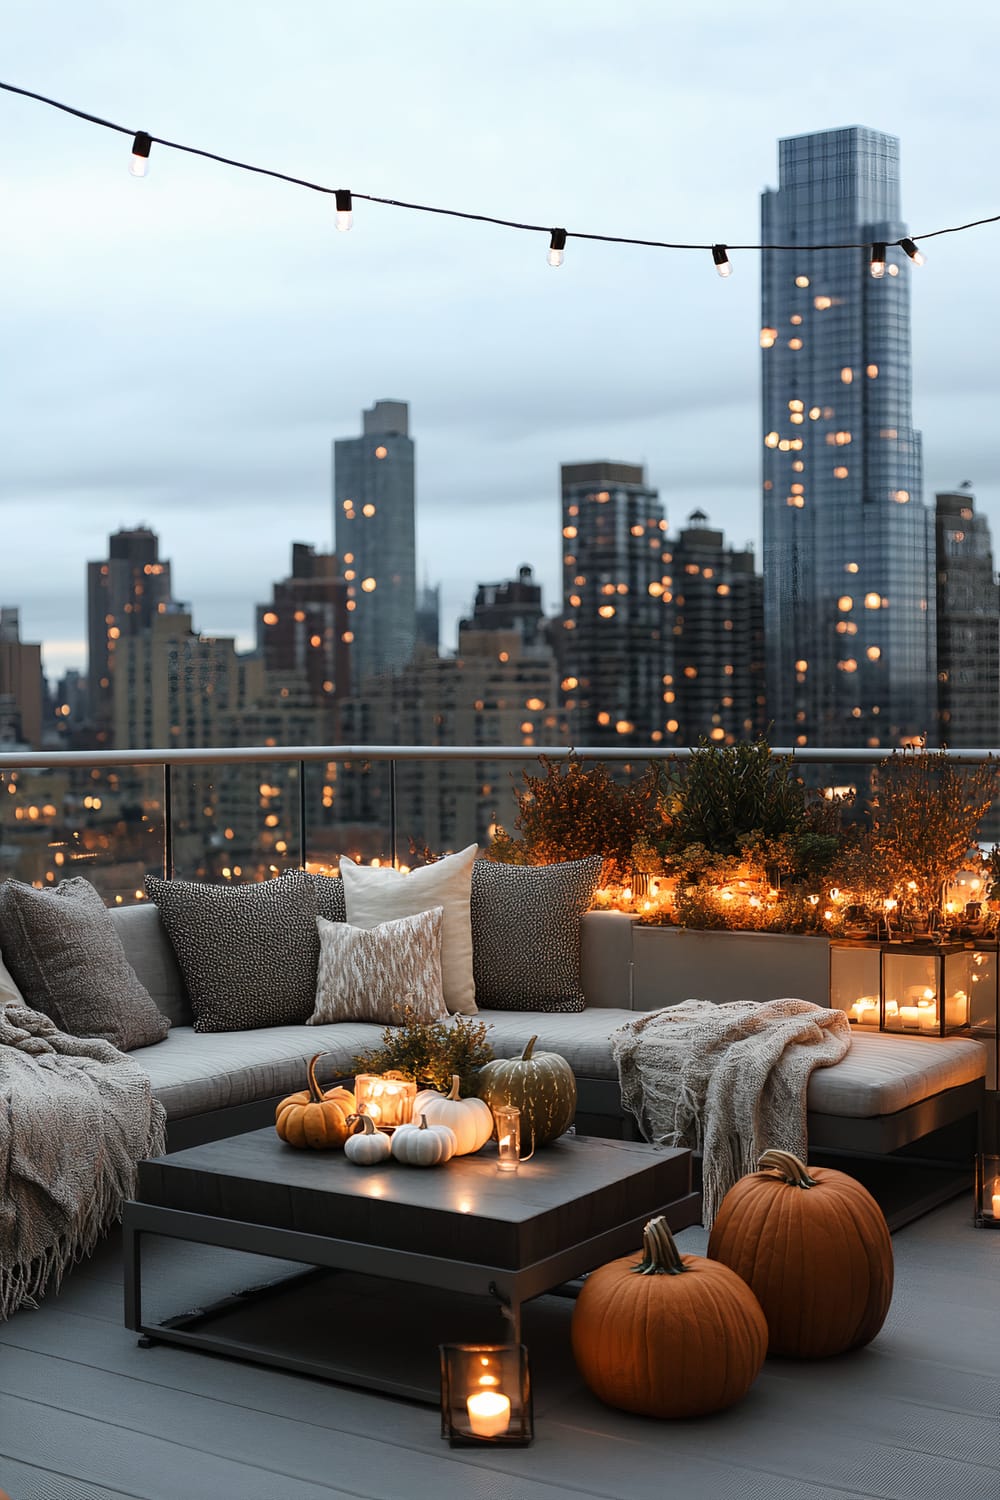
(926, 988)
(486, 1395)
(987, 1200)
(856, 981)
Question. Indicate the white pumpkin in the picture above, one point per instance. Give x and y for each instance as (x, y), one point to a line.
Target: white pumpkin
(368, 1146)
(423, 1145)
(470, 1119)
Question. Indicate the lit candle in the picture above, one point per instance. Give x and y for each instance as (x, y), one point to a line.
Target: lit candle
(387, 1098)
(910, 1017)
(508, 1123)
(928, 1015)
(996, 1198)
(489, 1413)
(892, 1008)
(956, 1008)
(865, 1010)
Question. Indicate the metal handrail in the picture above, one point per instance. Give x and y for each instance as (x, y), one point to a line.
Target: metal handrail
(818, 755)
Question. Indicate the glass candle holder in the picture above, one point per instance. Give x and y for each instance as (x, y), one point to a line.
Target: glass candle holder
(508, 1123)
(386, 1097)
(486, 1395)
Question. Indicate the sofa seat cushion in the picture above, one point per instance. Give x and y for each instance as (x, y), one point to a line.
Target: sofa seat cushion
(882, 1074)
(193, 1072)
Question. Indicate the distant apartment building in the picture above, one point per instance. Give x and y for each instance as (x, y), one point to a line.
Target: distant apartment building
(429, 617)
(715, 685)
(968, 625)
(848, 555)
(375, 538)
(172, 688)
(614, 643)
(303, 633)
(125, 592)
(498, 690)
(513, 605)
(21, 686)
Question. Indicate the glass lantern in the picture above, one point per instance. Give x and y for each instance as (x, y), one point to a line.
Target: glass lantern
(987, 1192)
(856, 981)
(386, 1097)
(486, 1395)
(926, 988)
(984, 1009)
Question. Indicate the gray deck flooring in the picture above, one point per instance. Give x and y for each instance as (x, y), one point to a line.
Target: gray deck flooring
(87, 1415)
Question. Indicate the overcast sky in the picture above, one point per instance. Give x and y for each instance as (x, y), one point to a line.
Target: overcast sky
(182, 350)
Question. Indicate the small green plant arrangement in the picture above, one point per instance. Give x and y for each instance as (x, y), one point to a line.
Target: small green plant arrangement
(431, 1052)
(574, 810)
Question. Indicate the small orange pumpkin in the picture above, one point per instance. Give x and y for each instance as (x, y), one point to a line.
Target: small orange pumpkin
(672, 1336)
(813, 1246)
(314, 1118)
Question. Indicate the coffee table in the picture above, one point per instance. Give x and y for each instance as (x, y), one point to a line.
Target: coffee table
(463, 1227)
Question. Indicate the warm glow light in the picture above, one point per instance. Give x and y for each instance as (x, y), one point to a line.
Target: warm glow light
(368, 585)
(768, 337)
(381, 452)
(909, 248)
(847, 375)
(877, 263)
(802, 281)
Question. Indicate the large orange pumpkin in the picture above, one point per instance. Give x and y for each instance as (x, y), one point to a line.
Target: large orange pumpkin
(314, 1118)
(670, 1335)
(813, 1246)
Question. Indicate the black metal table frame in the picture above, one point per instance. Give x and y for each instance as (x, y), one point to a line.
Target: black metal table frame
(508, 1288)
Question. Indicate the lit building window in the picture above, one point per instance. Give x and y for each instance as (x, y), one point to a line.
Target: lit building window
(802, 281)
(606, 611)
(845, 603)
(368, 585)
(636, 530)
(796, 319)
(814, 413)
(873, 653)
(872, 372)
(847, 375)
(656, 589)
(768, 337)
(798, 467)
(569, 683)
(690, 671)
(625, 726)
(672, 726)
(801, 666)
(850, 665)
(840, 472)
(603, 718)
(873, 601)
(795, 343)
(850, 567)
(574, 600)
(822, 303)
(569, 531)
(368, 510)
(795, 406)
(722, 589)
(771, 441)
(901, 497)
(381, 452)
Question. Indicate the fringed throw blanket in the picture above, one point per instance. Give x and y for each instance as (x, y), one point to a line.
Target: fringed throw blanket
(76, 1115)
(727, 1080)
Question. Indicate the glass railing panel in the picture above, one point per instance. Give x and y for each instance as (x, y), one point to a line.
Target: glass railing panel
(105, 823)
(348, 810)
(235, 822)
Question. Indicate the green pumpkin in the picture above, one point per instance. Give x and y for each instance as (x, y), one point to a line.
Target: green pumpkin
(541, 1085)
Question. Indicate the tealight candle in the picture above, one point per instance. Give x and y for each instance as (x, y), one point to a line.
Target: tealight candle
(996, 1200)
(910, 1017)
(508, 1123)
(489, 1413)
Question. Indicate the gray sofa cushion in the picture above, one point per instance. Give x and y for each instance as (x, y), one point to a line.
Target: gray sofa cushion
(201, 1071)
(248, 953)
(67, 959)
(148, 950)
(882, 1073)
(526, 933)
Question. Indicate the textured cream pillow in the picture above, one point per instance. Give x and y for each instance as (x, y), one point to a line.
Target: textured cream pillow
(375, 973)
(374, 896)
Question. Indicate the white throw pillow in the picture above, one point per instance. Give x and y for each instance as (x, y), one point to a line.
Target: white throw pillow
(377, 973)
(379, 895)
(8, 989)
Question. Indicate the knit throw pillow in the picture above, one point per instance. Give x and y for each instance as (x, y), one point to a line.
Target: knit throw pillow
(377, 973)
(248, 953)
(526, 933)
(67, 960)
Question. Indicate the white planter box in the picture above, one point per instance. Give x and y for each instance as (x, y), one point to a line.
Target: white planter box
(671, 964)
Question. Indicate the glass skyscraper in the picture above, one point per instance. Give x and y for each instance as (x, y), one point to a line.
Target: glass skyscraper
(375, 528)
(848, 544)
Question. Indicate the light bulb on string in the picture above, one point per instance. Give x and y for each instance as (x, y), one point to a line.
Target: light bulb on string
(557, 244)
(720, 256)
(345, 213)
(917, 256)
(877, 266)
(141, 146)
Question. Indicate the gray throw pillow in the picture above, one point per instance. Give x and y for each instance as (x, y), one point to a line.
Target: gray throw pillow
(378, 973)
(248, 953)
(63, 952)
(526, 933)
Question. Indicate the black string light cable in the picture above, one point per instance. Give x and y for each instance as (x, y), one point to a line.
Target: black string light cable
(143, 142)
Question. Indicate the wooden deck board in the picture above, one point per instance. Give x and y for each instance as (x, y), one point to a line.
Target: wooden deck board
(86, 1415)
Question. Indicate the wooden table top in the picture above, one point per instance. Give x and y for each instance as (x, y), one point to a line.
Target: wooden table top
(573, 1189)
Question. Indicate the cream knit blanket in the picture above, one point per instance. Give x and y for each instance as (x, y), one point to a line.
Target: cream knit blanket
(76, 1115)
(727, 1080)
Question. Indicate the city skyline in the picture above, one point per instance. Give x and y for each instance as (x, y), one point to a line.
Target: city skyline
(186, 347)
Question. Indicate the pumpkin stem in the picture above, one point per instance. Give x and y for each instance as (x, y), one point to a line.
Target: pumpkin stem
(455, 1081)
(363, 1124)
(316, 1094)
(529, 1049)
(423, 1123)
(789, 1168)
(660, 1256)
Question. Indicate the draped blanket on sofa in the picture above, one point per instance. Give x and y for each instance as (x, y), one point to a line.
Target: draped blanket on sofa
(729, 1081)
(76, 1115)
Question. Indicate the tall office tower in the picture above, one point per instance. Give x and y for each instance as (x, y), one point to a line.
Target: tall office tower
(124, 594)
(303, 634)
(716, 686)
(848, 543)
(513, 605)
(968, 625)
(429, 617)
(374, 520)
(20, 684)
(613, 649)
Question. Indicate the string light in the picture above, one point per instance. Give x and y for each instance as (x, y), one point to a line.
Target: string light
(878, 260)
(345, 211)
(721, 258)
(141, 147)
(143, 141)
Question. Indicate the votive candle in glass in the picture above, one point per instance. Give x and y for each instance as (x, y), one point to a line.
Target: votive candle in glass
(508, 1123)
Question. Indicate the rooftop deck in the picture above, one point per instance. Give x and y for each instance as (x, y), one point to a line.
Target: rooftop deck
(86, 1415)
